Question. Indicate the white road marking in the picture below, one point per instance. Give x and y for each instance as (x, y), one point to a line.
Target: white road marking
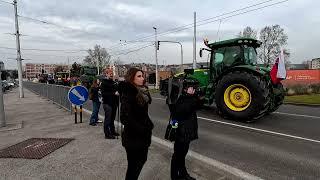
(261, 130)
(219, 165)
(163, 99)
(224, 167)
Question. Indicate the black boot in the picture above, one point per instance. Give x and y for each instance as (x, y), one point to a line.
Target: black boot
(108, 134)
(185, 174)
(109, 137)
(115, 134)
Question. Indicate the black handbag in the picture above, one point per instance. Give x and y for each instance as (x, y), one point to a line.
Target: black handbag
(171, 132)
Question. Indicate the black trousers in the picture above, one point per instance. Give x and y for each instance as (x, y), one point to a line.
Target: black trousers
(178, 165)
(136, 159)
(109, 117)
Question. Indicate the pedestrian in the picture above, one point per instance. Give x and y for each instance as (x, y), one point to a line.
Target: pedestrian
(109, 98)
(94, 97)
(183, 112)
(136, 136)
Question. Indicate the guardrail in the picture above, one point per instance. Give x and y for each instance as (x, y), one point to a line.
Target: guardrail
(56, 93)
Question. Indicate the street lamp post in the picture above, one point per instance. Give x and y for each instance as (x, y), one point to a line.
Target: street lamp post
(181, 66)
(156, 56)
(2, 114)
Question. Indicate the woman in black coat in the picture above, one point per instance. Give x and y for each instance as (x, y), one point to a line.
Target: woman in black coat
(136, 137)
(184, 112)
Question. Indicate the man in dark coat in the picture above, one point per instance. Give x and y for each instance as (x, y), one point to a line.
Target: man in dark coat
(110, 96)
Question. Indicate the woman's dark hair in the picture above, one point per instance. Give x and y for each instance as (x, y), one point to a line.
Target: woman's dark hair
(131, 73)
(94, 83)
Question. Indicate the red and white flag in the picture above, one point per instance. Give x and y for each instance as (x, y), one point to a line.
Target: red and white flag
(278, 71)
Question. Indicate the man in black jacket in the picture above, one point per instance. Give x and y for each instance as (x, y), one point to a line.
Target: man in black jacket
(110, 96)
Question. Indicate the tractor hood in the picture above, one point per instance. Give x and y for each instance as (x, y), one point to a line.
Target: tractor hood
(260, 69)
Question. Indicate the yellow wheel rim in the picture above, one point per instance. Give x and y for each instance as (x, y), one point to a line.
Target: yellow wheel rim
(237, 97)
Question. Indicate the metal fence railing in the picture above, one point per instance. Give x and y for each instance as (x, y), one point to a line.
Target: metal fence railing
(56, 93)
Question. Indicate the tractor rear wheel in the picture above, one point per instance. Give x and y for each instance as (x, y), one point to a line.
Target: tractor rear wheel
(242, 96)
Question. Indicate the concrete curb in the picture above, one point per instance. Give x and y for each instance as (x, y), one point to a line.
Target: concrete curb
(214, 163)
(11, 127)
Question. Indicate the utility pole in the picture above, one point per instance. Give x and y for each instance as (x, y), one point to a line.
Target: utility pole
(156, 56)
(2, 115)
(69, 67)
(98, 67)
(19, 60)
(194, 41)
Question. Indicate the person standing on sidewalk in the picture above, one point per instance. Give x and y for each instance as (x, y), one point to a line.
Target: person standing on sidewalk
(94, 96)
(136, 136)
(184, 112)
(109, 98)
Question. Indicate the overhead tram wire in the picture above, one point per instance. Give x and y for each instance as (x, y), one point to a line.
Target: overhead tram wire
(216, 20)
(49, 50)
(135, 50)
(6, 2)
(177, 29)
(57, 25)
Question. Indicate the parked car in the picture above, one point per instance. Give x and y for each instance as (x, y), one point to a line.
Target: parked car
(5, 85)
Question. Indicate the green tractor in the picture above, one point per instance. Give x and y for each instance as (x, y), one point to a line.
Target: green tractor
(88, 75)
(240, 88)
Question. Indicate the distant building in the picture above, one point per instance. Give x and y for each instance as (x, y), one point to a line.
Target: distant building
(1, 66)
(315, 63)
(298, 66)
(33, 70)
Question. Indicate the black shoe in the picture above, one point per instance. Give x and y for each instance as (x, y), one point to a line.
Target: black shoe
(92, 124)
(109, 137)
(116, 134)
(188, 177)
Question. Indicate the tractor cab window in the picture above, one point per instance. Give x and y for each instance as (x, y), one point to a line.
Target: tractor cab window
(227, 55)
(250, 55)
(218, 57)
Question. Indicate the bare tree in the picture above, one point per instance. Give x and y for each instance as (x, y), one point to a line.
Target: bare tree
(75, 70)
(97, 57)
(118, 62)
(248, 32)
(273, 38)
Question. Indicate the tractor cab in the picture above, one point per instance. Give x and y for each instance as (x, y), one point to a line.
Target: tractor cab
(230, 53)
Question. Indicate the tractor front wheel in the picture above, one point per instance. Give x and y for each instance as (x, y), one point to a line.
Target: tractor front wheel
(242, 96)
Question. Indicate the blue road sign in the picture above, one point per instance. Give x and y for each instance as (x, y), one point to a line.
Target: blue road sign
(78, 95)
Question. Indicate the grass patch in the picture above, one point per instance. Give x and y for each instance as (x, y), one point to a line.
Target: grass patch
(313, 99)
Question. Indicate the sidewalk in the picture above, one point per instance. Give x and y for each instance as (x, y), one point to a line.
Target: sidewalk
(89, 156)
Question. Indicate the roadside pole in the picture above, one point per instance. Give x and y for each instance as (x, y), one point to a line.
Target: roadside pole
(19, 60)
(2, 115)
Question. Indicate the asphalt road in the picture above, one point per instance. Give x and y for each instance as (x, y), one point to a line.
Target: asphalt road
(283, 145)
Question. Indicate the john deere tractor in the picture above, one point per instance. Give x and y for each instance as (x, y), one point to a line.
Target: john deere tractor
(240, 88)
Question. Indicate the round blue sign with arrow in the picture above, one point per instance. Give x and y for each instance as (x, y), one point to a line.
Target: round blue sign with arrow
(78, 95)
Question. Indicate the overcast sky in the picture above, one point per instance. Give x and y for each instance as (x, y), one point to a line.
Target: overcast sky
(106, 22)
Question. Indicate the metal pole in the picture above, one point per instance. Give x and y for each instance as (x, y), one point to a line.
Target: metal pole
(156, 56)
(98, 67)
(194, 41)
(18, 50)
(181, 66)
(81, 114)
(181, 58)
(75, 115)
(69, 67)
(2, 115)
